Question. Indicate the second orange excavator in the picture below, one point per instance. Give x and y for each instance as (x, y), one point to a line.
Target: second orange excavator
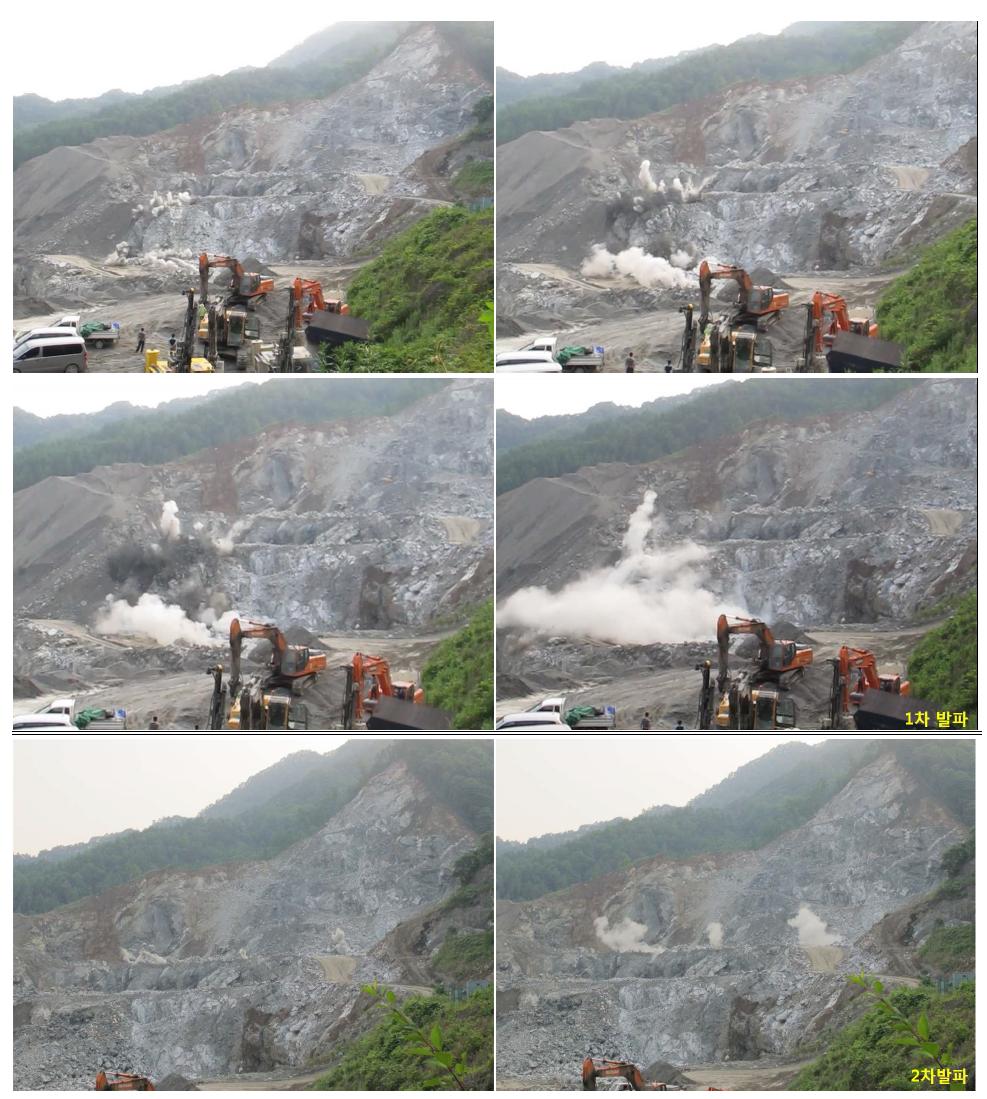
(855, 671)
(600, 1068)
(121, 1081)
(368, 679)
(753, 302)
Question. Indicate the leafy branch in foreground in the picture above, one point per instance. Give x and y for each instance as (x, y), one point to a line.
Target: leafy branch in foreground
(426, 1046)
(915, 1035)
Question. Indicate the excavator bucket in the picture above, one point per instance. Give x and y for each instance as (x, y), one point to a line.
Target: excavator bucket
(854, 354)
(336, 328)
(394, 713)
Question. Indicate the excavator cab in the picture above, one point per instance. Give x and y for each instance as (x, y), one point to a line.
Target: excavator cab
(773, 710)
(759, 299)
(294, 660)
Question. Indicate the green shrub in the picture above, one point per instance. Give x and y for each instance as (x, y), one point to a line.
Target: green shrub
(932, 310)
(943, 666)
(459, 674)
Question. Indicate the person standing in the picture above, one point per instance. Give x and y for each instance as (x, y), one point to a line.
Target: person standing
(172, 344)
(141, 337)
(629, 363)
(646, 720)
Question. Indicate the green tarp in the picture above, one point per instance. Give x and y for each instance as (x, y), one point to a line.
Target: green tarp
(94, 326)
(577, 713)
(568, 353)
(84, 717)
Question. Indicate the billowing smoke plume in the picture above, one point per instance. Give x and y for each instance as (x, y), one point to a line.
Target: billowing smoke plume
(169, 524)
(648, 270)
(715, 932)
(681, 258)
(812, 930)
(626, 936)
(646, 179)
(654, 593)
(166, 623)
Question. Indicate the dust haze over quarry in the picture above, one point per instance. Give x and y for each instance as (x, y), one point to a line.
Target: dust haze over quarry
(826, 182)
(250, 969)
(731, 951)
(836, 526)
(370, 533)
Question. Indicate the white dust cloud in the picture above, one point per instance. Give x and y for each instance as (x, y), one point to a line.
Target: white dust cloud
(152, 617)
(169, 524)
(646, 179)
(714, 931)
(654, 594)
(626, 936)
(646, 269)
(812, 930)
(680, 258)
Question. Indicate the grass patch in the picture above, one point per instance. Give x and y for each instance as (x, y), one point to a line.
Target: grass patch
(459, 674)
(932, 310)
(864, 1056)
(943, 665)
(464, 957)
(377, 1061)
(950, 949)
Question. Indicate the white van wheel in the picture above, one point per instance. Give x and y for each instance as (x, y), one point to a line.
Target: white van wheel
(73, 369)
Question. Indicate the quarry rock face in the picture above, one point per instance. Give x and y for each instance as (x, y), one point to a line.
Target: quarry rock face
(835, 173)
(718, 957)
(308, 180)
(373, 522)
(231, 969)
(865, 516)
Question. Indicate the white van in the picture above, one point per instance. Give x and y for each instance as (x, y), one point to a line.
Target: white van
(45, 334)
(51, 354)
(526, 362)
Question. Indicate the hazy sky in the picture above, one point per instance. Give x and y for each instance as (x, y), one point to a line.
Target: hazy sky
(69, 790)
(534, 395)
(554, 784)
(536, 40)
(91, 392)
(106, 44)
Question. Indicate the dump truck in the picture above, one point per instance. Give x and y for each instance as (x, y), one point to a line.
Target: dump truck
(390, 712)
(579, 715)
(853, 353)
(96, 333)
(882, 709)
(572, 358)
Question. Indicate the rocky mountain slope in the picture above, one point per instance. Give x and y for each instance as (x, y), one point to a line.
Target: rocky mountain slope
(837, 173)
(859, 516)
(237, 968)
(721, 958)
(320, 179)
(361, 522)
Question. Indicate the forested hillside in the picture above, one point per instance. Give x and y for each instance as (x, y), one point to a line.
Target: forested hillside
(932, 310)
(840, 47)
(236, 414)
(651, 432)
(943, 666)
(459, 775)
(459, 674)
(786, 798)
(424, 297)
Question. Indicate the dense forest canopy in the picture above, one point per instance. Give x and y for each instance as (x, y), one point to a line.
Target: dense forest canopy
(842, 47)
(646, 434)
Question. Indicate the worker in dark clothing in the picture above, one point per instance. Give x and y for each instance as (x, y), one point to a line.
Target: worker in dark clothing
(679, 725)
(668, 367)
(153, 723)
(629, 363)
(172, 344)
(141, 336)
(646, 720)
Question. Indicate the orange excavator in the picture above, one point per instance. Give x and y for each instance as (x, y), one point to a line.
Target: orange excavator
(121, 1081)
(291, 665)
(827, 314)
(855, 671)
(754, 303)
(599, 1068)
(310, 292)
(368, 679)
(244, 286)
(774, 659)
